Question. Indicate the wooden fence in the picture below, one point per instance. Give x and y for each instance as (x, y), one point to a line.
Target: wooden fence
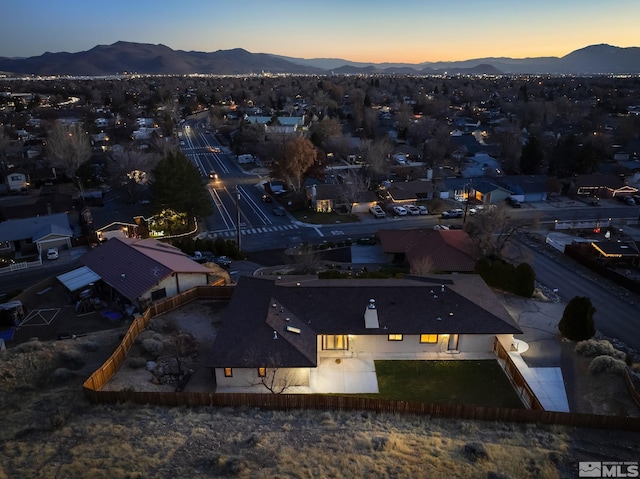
(102, 375)
(285, 402)
(631, 387)
(518, 381)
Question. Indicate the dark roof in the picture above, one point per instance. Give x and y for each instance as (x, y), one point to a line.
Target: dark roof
(524, 184)
(465, 305)
(132, 266)
(35, 227)
(447, 250)
(410, 190)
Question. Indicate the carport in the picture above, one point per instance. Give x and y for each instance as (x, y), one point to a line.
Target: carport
(78, 279)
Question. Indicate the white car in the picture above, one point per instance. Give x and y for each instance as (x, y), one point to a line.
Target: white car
(377, 211)
(440, 227)
(400, 211)
(412, 209)
(52, 253)
(423, 210)
(456, 213)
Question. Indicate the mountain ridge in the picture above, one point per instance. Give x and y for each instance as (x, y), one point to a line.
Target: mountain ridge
(146, 58)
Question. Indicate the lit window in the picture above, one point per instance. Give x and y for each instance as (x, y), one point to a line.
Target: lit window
(429, 338)
(335, 341)
(228, 372)
(395, 337)
(262, 372)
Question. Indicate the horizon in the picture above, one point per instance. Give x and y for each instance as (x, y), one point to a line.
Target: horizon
(374, 31)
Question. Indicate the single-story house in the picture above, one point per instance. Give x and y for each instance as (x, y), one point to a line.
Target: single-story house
(428, 250)
(410, 191)
(526, 188)
(30, 236)
(288, 334)
(327, 198)
(617, 253)
(601, 186)
(140, 271)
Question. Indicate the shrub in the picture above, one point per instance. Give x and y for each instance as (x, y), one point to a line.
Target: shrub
(73, 358)
(29, 346)
(577, 319)
(475, 451)
(91, 346)
(601, 364)
(152, 346)
(524, 280)
(594, 347)
(60, 375)
(137, 362)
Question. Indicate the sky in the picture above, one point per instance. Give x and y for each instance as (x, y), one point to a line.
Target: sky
(376, 31)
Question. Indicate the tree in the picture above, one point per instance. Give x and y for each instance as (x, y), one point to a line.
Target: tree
(297, 156)
(176, 184)
(531, 157)
(131, 168)
(375, 154)
(524, 280)
(577, 319)
(69, 147)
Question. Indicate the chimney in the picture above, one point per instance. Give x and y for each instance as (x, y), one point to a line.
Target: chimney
(371, 315)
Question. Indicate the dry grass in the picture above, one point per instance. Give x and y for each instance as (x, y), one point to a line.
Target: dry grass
(49, 430)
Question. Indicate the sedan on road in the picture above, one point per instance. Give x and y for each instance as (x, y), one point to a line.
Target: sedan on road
(456, 213)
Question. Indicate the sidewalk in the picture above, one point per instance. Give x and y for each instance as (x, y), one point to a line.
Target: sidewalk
(539, 355)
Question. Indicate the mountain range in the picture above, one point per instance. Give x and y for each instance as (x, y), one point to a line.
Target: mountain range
(127, 57)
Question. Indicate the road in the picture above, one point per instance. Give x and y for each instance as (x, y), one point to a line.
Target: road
(616, 310)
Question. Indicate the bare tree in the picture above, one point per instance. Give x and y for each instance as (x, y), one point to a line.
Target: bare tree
(375, 153)
(492, 230)
(275, 378)
(297, 157)
(352, 187)
(422, 266)
(69, 147)
(131, 168)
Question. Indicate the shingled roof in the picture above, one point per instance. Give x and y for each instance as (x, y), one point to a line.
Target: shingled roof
(133, 266)
(440, 305)
(446, 250)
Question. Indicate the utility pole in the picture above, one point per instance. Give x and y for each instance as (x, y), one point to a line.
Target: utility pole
(238, 235)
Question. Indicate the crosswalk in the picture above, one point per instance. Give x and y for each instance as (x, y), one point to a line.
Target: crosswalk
(252, 231)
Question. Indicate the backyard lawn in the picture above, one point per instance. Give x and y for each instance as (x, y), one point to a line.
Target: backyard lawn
(482, 383)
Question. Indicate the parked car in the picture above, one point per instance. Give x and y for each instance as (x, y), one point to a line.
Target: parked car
(377, 211)
(626, 200)
(266, 198)
(400, 211)
(412, 209)
(278, 211)
(514, 203)
(223, 261)
(52, 253)
(455, 213)
(423, 210)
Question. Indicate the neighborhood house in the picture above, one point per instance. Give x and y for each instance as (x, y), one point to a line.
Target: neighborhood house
(322, 336)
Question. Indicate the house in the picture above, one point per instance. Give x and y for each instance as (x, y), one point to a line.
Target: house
(410, 191)
(33, 236)
(526, 188)
(140, 271)
(601, 186)
(434, 250)
(294, 333)
(327, 198)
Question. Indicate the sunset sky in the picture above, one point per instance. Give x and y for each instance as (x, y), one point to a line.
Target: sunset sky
(410, 31)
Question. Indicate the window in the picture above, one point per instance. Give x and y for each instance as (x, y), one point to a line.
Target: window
(395, 337)
(158, 294)
(335, 341)
(262, 372)
(429, 338)
(228, 372)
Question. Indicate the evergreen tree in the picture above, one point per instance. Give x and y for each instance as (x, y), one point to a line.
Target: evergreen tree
(531, 157)
(577, 320)
(177, 185)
